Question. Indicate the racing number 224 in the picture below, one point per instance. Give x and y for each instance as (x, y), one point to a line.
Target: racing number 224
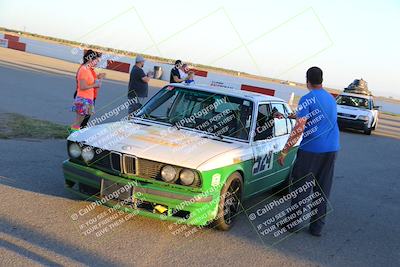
(262, 163)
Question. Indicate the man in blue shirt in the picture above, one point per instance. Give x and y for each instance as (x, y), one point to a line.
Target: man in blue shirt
(313, 170)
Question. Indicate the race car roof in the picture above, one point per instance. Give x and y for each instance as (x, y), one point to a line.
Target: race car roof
(256, 97)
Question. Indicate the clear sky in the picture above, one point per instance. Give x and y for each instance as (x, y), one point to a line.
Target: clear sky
(280, 39)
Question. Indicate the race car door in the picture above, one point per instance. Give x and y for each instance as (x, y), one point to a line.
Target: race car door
(263, 147)
(282, 130)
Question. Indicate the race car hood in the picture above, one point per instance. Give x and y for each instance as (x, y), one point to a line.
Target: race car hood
(353, 110)
(155, 142)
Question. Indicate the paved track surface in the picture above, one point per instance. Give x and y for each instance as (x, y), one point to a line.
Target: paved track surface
(35, 215)
(48, 84)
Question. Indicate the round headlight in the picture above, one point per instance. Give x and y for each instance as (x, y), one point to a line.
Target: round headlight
(187, 177)
(168, 174)
(87, 153)
(74, 150)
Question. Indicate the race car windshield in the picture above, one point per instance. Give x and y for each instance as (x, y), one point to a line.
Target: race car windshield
(353, 101)
(216, 114)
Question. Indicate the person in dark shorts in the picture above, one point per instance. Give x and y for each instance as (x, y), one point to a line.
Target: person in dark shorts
(138, 85)
(314, 165)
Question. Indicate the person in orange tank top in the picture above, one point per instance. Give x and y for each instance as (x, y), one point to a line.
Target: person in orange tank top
(87, 84)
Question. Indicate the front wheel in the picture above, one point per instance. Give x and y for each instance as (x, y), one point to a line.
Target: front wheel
(368, 131)
(230, 202)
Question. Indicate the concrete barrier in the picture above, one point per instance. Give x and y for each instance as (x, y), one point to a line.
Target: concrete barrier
(124, 64)
(118, 66)
(16, 45)
(54, 50)
(3, 42)
(256, 89)
(11, 37)
(12, 42)
(201, 73)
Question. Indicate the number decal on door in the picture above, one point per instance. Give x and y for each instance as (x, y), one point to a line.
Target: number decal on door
(263, 163)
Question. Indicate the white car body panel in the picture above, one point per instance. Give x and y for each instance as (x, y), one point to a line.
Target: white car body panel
(357, 112)
(156, 142)
(186, 148)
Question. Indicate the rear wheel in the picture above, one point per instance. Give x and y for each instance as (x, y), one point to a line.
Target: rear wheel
(230, 202)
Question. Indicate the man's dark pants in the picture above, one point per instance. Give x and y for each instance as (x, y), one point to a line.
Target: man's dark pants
(307, 167)
(136, 103)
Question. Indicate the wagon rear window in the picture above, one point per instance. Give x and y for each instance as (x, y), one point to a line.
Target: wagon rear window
(353, 101)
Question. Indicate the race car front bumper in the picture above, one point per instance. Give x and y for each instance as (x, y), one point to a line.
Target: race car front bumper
(143, 198)
(353, 124)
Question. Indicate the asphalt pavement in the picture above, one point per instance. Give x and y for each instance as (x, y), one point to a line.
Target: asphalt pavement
(49, 96)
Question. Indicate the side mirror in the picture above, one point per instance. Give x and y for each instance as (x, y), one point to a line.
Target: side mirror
(280, 116)
(377, 107)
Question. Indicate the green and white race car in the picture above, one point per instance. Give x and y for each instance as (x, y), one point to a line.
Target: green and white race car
(192, 154)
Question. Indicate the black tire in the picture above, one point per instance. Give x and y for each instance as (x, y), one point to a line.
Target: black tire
(69, 183)
(368, 131)
(230, 202)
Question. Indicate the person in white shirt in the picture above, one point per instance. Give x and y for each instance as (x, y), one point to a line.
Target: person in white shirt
(183, 71)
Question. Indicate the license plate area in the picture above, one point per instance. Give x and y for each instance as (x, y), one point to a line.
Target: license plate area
(121, 193)
(345, 115)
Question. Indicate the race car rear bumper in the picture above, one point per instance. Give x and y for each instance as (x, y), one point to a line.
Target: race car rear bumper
(138, 197)
(353, 124)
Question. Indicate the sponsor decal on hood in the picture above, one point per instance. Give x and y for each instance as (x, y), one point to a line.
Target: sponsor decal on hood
(155, 142)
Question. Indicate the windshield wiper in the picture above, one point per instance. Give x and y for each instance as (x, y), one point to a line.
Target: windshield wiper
(175, 124)
(148, 116)
(214, 135)
(154, 118)
(219, 136)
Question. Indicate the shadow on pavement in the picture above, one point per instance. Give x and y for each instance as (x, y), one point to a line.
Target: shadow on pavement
(34, 165)
(14, 231)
